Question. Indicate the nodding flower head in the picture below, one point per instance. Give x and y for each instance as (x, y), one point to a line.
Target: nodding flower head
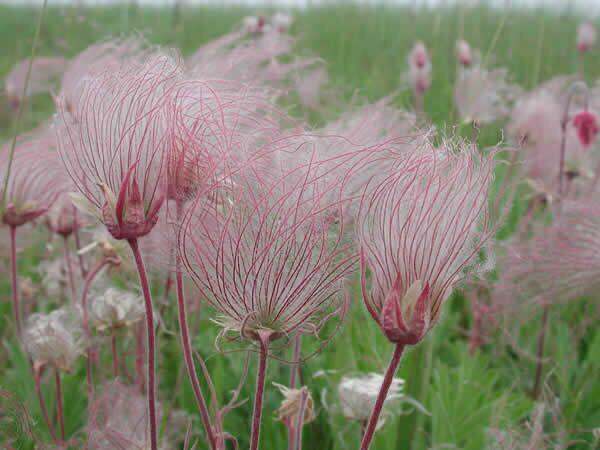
(484, 96)
(54, 339)
(586, 125)
(282, 21)
(254, 24)
(418, 230)
(115, 151)
(586, 37)
(115, 309)
(44, 74)
(36, 180)
(464, 53)
(266, 254)
(419, 68)
(97, 59)
(63, 218)
(118, 418)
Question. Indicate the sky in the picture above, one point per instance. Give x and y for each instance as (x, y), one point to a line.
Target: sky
(580, 4)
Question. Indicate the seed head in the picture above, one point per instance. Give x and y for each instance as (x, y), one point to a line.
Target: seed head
(44, 74)
(116, 309)
(586, 37)
(292, 404)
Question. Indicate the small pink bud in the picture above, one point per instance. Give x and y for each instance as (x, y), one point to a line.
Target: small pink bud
(586, 124)
(586, 37)
(463, 53)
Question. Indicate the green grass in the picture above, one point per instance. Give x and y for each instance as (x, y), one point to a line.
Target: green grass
(365, 49)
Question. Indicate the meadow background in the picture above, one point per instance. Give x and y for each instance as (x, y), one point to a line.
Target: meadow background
(365, 49)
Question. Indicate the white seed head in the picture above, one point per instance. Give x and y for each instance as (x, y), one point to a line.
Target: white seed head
(54, 339)
(292, 402)
(115, 308)
(358, 396)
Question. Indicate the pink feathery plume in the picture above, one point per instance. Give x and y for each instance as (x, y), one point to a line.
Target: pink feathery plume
(268, 254)
(115, 151)
(418, 231)
(37, 177)
(586, 37)
(45, 72)
(419, 73)
(102, 57)
(560, 263)
(118, 419)
(483, 96)
(309, 86)
(281, 21)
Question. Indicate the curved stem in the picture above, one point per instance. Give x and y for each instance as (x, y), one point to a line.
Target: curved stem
(133, 243)
(69, 268)
(59, 404)
(115, 356)
(14, 280)
(385, 386)
(40, 395)
(540, 353)
(260, 390)
(86, 323)
(189, 360)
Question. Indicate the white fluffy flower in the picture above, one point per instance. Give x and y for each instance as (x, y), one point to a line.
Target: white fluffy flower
(115, 309)
(358, 396)
(54, 339)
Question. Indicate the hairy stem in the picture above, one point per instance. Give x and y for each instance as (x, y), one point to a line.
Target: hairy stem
(540, 353)
(38, 389)
(115, 356)
(187, 350)
(14, 279)
(294, 369)
(383, 391)
(69, 268)
(260, 390)
(300, 420)
(151, 350)
(59, 404)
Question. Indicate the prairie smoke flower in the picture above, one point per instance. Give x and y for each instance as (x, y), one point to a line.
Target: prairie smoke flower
(45, 72)
(36, 179)
(483, 96)
(116, 309)
(54, 339)
(281, 21)
(115, 150)
(54, 277)
(309, 85)
(586, 37)
(419, 65)
(418, 231)
(357, 396)
(464, 54)
(586, 125)
(119, 419)
(99, 58)
(292, 404)
(253, 24)
(62, 218)
(242, 246)
(560, 263)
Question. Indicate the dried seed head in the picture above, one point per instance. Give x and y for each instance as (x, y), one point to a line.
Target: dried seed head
(54, 339)
(116, 309)
(292, 404)
(358, 395)
(586, 37)
(54, 277)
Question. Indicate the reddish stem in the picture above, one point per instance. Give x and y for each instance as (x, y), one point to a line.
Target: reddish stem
(86, 323)
(59, 404)
(14, 280)
(40, 395)
(69, 269)
(151, 350)
(540, 353)
(385, 386)
(187, 350)
(293, 377)
(300, 420)
(115, 357)
(260, 390)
